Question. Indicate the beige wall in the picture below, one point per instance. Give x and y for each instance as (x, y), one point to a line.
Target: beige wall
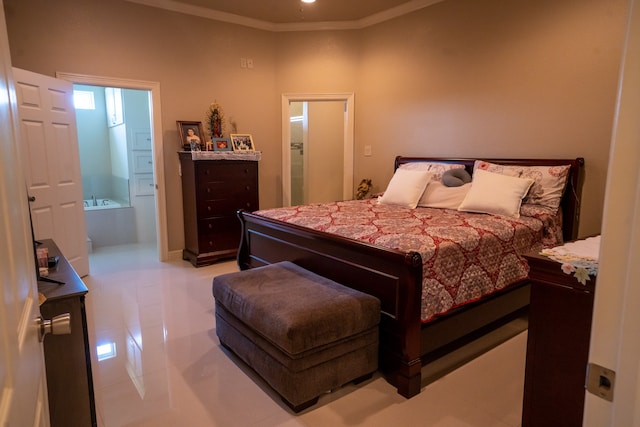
(496, 79)
(462, 77)
(196, 61)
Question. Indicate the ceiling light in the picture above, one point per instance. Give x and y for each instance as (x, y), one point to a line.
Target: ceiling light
(308, 1)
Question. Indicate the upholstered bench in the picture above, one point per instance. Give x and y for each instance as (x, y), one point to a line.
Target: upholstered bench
(302, 333)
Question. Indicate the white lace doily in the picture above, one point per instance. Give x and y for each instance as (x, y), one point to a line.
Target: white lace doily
(579, 258)
(226, 155)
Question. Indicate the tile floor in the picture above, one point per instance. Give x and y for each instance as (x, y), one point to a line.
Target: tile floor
(157, 362)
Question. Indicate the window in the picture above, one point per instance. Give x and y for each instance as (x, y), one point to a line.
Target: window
(83, 100)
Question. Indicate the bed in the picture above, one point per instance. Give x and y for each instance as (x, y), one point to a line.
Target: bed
(410, 334)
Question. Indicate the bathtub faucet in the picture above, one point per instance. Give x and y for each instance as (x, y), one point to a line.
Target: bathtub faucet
(95, 202)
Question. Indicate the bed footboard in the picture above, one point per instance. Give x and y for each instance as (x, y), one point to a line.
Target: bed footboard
(394, 277)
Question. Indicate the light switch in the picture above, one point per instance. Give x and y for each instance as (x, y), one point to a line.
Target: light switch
(367, 150)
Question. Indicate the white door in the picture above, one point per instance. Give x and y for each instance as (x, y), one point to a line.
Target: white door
(616, 318)
(23, 392)
(324, 169)
(51, 161)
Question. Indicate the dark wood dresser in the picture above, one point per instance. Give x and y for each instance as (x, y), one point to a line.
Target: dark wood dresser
(558, 345)
(212, 192)
(67, 357)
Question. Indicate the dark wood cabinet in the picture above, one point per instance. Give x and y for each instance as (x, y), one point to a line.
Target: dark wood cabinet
(557, 347)
(67, 357)
(212, 192)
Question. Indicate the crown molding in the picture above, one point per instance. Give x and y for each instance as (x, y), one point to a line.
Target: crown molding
(177, 6)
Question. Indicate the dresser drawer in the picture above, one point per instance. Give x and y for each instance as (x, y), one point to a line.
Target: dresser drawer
(219, 233)
(226, 171)
(236, 189)
(226, 206)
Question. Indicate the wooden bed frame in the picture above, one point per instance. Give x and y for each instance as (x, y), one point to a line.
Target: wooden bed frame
(396, 279)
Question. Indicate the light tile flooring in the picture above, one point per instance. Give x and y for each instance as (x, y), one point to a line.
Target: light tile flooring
(161, 364)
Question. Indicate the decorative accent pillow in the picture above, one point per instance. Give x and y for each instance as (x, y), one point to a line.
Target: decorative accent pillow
(549, 181)
(496, 194)
(438, 195)
(405, 188)
(436, 168)
(455, 177)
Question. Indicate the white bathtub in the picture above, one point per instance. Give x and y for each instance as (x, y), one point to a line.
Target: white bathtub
(100, 204)
(109, 223)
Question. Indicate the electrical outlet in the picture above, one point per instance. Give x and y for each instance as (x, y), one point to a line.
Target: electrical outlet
(367, 150)
(249, 63)
(243, 62)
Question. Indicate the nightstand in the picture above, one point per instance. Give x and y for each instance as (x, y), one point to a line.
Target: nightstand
(558, 345)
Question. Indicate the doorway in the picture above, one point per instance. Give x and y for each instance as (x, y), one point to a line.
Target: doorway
(114, 139)
(154, 160)
(310, 156)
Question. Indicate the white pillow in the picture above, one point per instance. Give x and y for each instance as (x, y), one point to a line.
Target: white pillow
(494, 193)
(549, 181)
(405, 188)
(438, 195)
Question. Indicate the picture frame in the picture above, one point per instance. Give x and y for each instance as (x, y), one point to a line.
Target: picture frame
(242, 142)
(198, 136)
(222, 144)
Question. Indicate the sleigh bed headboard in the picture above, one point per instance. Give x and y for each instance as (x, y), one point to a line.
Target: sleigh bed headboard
(570, 202)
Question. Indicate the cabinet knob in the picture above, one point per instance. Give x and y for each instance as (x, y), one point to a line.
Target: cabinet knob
(248, 187)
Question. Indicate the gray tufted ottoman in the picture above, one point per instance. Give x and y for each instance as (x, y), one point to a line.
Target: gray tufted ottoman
(302, 333)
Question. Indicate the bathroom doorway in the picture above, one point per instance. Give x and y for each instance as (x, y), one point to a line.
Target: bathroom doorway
(114, 139)
(129, 122)
(317, 148)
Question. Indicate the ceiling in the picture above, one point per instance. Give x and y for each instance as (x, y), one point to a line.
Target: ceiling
(283, 15)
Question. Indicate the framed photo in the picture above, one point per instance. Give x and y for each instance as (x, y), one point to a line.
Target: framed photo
(222, 144)
(191, 135)
(242, 142)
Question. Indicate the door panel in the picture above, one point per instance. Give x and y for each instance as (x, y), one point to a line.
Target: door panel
(51, 161)
(23, 392)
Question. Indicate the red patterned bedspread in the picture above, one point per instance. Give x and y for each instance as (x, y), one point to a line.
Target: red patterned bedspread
(465, 255)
